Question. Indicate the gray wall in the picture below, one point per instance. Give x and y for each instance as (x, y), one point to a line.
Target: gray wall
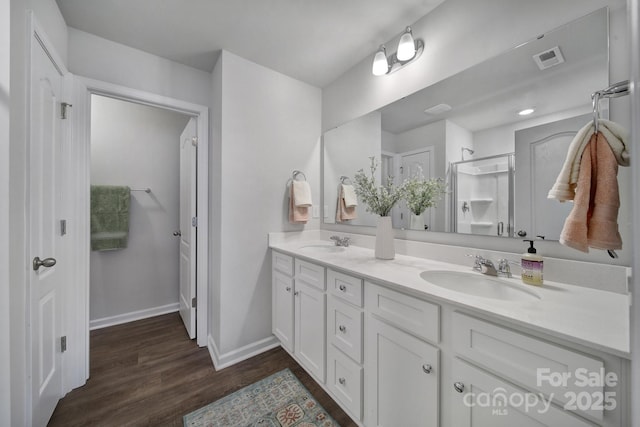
(5, 365)
(268, 125)
(137, 146)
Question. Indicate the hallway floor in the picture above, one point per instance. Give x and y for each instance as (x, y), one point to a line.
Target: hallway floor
(149, 373)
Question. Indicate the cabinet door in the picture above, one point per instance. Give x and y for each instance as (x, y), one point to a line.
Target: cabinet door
(402, 378)
(282, 306)
(481, 399)
(310, 327)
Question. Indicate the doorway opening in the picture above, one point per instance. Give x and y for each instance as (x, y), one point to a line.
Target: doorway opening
(144, 155)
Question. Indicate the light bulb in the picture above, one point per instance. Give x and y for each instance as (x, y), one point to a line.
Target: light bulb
(526, 111)
(380, 64)
(406, 46)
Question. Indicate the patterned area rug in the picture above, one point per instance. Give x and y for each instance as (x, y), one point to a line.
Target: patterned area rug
(276, 401)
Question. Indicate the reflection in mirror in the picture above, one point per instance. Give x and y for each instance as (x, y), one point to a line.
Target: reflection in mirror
(474, 115)
(482, 196)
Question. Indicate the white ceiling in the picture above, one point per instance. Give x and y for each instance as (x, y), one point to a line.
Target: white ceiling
(315, 41)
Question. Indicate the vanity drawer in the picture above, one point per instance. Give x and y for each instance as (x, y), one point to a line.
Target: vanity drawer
(416, 316)
(282, 263)
(346, 287)
(344, 328)
(526, 360)
(345, 380)
(310, 273)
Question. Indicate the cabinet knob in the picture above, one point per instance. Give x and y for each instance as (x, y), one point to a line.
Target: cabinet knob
(343, 288)
(342, 381)
(288, 288)
(342, 328)
(296, 293)
(427, 368)
(458, 386)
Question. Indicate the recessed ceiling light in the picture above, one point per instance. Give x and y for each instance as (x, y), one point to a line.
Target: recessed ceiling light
(526, 111)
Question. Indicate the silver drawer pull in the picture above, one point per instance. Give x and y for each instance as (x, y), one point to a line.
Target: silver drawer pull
(343, 288)
(342, 328)
(427, 368)
(458, 386)
(342, 381)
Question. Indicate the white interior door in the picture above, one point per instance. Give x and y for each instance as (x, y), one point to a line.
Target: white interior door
(187, 233)
(410, 163)
(45, 192)
(540, 153)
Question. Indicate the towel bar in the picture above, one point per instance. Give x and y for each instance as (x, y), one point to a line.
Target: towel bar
(146, 190)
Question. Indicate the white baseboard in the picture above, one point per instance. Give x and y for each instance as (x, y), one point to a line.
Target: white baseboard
(134, 315)
(221, 361)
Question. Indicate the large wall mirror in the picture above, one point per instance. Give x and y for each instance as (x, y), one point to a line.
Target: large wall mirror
(467, 130)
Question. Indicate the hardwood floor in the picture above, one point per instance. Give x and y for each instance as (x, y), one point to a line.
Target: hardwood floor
(149, 373)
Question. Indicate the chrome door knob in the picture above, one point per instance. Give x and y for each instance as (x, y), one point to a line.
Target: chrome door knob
(342, 328)
(426, 368)
(458, 386)
(47, 262)
(177, 233)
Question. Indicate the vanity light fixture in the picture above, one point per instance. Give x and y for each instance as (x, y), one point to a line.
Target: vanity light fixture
(526, 111)
(408, 51)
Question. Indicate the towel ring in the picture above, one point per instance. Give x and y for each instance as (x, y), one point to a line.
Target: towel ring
(344, 179)
(296, 173)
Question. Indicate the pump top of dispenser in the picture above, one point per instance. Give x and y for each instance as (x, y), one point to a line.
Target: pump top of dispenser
(531, 249)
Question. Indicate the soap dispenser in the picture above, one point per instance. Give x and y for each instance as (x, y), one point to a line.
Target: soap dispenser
(532, 264)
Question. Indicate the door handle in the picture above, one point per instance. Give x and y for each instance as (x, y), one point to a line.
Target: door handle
(177, 233)
(47, 262)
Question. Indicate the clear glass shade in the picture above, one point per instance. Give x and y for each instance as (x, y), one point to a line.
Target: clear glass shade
(406, 46)
(380, 63)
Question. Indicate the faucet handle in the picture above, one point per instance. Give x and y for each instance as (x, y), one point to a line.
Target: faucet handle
(478, 261)
(503, 267)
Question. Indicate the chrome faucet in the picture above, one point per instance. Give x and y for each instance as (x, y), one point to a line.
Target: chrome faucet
(503, 267)
(341, 241)
(484, 265)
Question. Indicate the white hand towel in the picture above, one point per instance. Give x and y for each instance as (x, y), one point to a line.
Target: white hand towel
(350, 198)
(301, 194)
(565, 185)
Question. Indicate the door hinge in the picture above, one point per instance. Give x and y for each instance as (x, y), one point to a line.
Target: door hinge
(194, 141)
(63, 344)
(194, 221)
(63, 109)
(63, 227)
(194, 302)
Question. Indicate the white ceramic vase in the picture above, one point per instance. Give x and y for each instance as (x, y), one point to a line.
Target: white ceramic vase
(416, 222)
(385, 248)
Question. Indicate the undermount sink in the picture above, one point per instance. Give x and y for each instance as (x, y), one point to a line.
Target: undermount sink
(478, 285)
(323, 248)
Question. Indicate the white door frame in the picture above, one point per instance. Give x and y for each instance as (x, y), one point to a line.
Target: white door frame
(201, 114)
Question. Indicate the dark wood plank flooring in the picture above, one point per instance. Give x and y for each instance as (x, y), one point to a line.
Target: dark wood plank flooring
(149, 373)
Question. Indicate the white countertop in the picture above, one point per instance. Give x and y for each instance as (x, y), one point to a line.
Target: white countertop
(594, 318)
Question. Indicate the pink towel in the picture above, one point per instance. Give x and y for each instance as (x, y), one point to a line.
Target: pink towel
(297, 214)
(593, 221)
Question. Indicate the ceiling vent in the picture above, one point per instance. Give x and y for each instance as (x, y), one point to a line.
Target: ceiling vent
(438, 109)
(548, 58)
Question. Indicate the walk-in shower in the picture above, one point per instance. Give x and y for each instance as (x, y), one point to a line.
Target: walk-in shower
(482, 195)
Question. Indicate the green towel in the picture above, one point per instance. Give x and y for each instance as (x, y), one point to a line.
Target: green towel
(109, 217)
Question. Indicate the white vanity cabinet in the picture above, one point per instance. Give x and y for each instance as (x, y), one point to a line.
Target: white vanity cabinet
(299, 311)
(345, 327)
(282, 317)
(401, 368)
(391, 356)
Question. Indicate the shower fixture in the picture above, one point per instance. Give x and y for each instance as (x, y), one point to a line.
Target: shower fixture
(469, 150)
